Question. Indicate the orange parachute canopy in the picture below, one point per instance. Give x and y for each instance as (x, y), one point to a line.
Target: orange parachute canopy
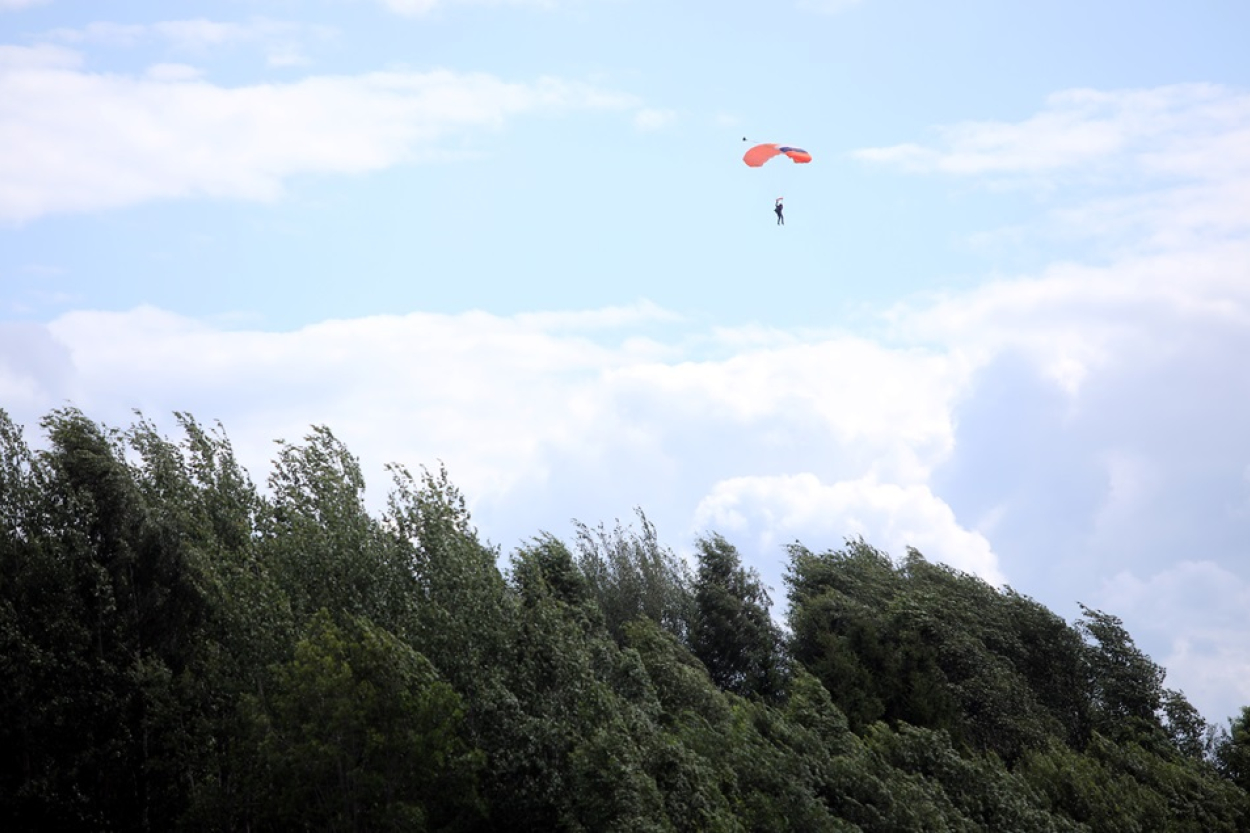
(760, 154)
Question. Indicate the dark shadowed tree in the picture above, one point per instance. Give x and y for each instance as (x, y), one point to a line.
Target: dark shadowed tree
(102, 615)
(1126, 686)
(1184, 725)
(733, 634)
(359, 733)
(1232, 750)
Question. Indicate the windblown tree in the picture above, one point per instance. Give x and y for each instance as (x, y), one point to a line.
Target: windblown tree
(1126, 686)
(1232, 750)
(103, 621)
(630, 575)
(733, 633)
(181, 651)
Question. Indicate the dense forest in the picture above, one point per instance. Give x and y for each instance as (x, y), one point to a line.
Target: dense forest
(185, 650)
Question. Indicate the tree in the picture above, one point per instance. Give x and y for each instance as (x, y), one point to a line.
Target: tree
(568, 727)
(872, 642)
(631, 575)
(322, 544)
(455, 590)
(1126, 687)
(102, 625)
(1184, 725)
(1232, 750)
(359, 733)
(733, 634)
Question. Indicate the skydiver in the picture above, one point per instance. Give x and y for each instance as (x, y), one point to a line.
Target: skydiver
(781, 219)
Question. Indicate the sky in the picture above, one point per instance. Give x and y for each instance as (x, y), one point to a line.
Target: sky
(1007, 320)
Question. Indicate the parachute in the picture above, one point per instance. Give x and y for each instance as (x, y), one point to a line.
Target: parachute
(760, 154)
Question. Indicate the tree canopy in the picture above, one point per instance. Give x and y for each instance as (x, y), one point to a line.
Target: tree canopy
(185, 650)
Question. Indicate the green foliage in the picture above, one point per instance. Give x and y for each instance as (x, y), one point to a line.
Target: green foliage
(1126, 687)
(452, 585)
(738, 768)
(871, 643)
(1184, 726)
(631, 575)
(733, 634)
(1124, 787)
(358, 733)
(924, 644)
(974, 792)
(102, 616)
(182, 652)
(323, 547)
(1232, 750)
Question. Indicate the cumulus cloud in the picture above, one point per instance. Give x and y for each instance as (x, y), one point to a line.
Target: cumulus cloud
(1100, 433)
(1073, 319)
(527, 407)
(860, 397)
(80, 141)
(1173, 169)
(778, 509)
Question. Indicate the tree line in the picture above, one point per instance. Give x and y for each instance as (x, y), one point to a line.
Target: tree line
(183, 650)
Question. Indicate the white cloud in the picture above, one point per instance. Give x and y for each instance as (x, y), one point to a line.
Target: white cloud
(418, 8)
(1164, 130)
(827, 6)
(648, 119)
(1173, 169)
(1102, 432)
(887, 409)
(199, 35)
(35, 58)
(174, 73)
(536, 402)
(13, 5)
(485, 392)
(80, 141)
(777, 509)
(1075, 319)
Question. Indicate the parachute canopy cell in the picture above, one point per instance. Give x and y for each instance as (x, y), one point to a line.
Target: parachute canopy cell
(760, 154)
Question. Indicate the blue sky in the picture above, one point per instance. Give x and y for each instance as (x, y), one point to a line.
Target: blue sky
(1005, 323)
